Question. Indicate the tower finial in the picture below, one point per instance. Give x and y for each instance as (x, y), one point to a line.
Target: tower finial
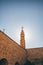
(22, 28)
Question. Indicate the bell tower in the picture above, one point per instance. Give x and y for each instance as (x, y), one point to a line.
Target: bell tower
(22, 38)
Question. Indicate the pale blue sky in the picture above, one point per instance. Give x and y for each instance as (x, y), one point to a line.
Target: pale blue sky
(27, 13)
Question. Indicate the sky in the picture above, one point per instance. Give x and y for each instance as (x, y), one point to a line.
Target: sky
(27, 13)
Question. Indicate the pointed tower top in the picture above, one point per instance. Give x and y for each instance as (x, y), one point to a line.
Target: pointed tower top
(22, 28)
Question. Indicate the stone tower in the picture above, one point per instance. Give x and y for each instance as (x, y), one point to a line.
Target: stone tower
(22, 39)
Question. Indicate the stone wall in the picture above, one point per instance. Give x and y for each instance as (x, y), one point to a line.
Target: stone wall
(10, 50)
(35, 55)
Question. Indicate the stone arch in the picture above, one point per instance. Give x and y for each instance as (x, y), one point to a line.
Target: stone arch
(3, 61)
(17, 63)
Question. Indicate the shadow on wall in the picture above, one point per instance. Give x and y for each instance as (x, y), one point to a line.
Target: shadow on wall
(3, 61)
(17, 63)
(28, 63)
